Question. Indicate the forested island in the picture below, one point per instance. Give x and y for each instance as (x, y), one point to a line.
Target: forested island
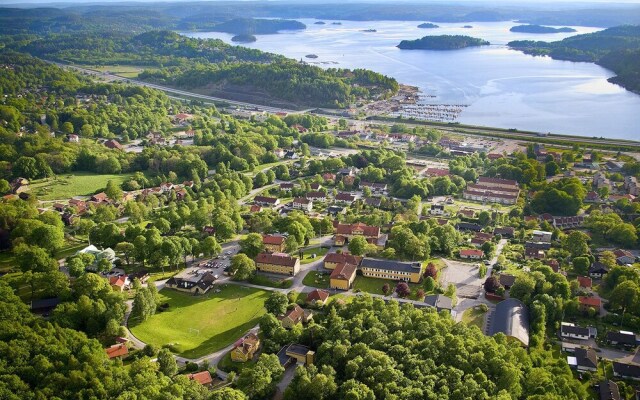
(244, 38)
(540, 29)
(617, 49)
(442, 42)
(257, 26)
(428, 25)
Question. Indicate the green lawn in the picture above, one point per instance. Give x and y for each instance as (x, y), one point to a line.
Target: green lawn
(374, 285)
(316, 279)
(78, 184)
(125, 71)
(262, 280)
(198, 325)
(227, 365)
(474, 316)
(306, 254)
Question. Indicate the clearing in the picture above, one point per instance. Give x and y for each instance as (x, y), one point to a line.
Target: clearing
(198, 325)
(63, 187)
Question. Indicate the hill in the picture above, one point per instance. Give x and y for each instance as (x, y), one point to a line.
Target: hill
(540, 29)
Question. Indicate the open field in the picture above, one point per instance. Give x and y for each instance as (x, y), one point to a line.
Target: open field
(199, 325)
(316, 279)
(228, 365)
(474, 316)
(66, 186)
(125, 71)
(306, 254)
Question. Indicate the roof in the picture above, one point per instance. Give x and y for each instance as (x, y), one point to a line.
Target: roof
(391, 265)
(439, 301)
(301, 200)
(348, 229)
(584, 281)
(273, 239)
(117, 350)
(511, 317)
(117, 281)
(586, 357)
(265, 199)
(472, 252)
(468, 226)
(345, 197)
(629, 370)
(203, 378)
(598, 267)
(339, 258)
(609, 390)
(295, 314)
(317, 295)
(507, 280)
(589, 301)
(498, 181)
(316, 195)
(622, 337)
(298, 349)
(574, 330)
(45, 304)
(343, 271)
(276, 259)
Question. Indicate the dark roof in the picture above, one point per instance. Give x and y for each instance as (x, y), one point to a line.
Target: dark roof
(511, 317)
(622, 338)
(626, 370)
(598, 267)
(574, 330)
(609, 390)
(586, 357)
(537, 245)
(439, 301)
(373, 201)
(507, 230)
(507, 280)
(276, 259)
(45, 304)
(298, 349)
(391, 265)
(467, 226)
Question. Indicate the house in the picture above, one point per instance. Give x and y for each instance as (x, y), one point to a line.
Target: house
(583, 360)
(608, 390)
(532, 253)
(494, 190)
(315, 186)
(437, 209)
(209, 230)
(266, 201)
(342, 276)
(592, 197)
(316, 196)
(584, 282)
(554, 264)
(346, 232)
(373, 202)
(473, 254)
(585, 302)
(113, 144)
(541, 236)
(391, 269)
(119, 283)
(597, 270)
(622, 338)
(624, 257)
(572, 331)
(141, 275)
(626, 371)
(273, 243)
(345, 198)
(301, 203)
(203, 377)
(349, 171)
(291, 155)
(467, 226)
(245, 348)
(255, 209)
(302, 355)
(278, 263)
(334, 210)
(511, 317)
(439, 302)
(99, 198)
(376, 188)
(293, 316)
(286, 186)
(467, 213)
(317, 295)
(332, 260)
(194, 282)
(505, 232)
(74, 138)
(328, 177)
(117, 350)
(44, 306)
(506, 280)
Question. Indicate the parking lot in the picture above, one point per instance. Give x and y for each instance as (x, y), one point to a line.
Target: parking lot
(464, 276)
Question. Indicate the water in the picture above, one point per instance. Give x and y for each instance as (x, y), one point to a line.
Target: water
(502, 88)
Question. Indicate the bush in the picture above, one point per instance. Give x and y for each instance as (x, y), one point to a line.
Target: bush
(191, 367)
(150, 350)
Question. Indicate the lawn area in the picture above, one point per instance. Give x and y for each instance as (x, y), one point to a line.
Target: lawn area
(79, 184)
(70, 249)
(227, 365)
(125, 71)
(306, 254)
(473, 316)
(262, 280)
(316, 279)
(7, 261)
(199, 325)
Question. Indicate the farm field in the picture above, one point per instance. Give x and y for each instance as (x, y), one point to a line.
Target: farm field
(198, 325)
(69, 185)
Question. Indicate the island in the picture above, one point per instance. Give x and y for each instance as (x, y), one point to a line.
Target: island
(468, 27)
(244, 38)
(540, 29)
(428, 25)
(442, 42)
(369, 30)
(319, 22)
(336, 23)
(253, 26)
(311, 56)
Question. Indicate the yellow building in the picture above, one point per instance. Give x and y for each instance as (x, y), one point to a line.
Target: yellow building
(302, 354)
(245, 348)
(273, 243)
(390, 269)
(278, 263)
(342, 276)
(332, 260)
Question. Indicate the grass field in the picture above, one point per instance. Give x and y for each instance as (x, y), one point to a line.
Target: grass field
(316, 279)
(228, 365)
(78, 184)
(306, 254)
(199, 325)
(474, 317)
(125, 71)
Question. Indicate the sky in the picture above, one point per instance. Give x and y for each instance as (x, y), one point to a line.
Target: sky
(528, 2)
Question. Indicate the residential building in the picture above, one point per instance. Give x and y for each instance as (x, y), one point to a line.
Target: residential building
(467, 226)
(301, 203)
(493, 190)
(533, 253)
(586, 302)
(278, 263)
(505, 232)
(622, 338)
(472, 254)
(584, 282)
(266, 201)
(439, 301)
(119, 283)
(245, 348)
(117, 351)
(373, 202)
(626, 371)
(44, 306)
(597, 270)
(286, 186)
(624, 257)
(74, 138)
(332, 260)
(317, 196)
(506, 280)
(467, 213)
(301, 355)
(317, 296)
(511, 317)
(541, 236)
(346, 232)
(608, 390)
(204, 378)
(345, 198)
(273, 243)
(294, 316)
(391, 269)
(583, 360)
(342, 276)
(194, 282)
(571, 331)
(113, 144)
(631, 185)
(435, 172)
(376, 188)
(437, 209)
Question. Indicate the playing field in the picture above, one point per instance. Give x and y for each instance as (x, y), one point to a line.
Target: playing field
(199, 325)
(66, 186)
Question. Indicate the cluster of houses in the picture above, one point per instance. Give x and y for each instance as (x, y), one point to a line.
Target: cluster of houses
(493, 190)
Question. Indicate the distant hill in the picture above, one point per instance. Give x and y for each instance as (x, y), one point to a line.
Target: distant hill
(428, 25)
(253, 26)
(244, 38)
(617, 49)
(442, 42)
(540, 29)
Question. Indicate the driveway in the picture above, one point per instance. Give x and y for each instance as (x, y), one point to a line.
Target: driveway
(464, 276)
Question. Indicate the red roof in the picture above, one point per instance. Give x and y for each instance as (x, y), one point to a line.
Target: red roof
(345, 197)
(589, 301)
(369, 231)
(584, 281)
(437, 172)
(497, 181)
(295, 314)
(343, 272)
(255, 208)
(276, 259)
(117, 281)
(317, 294)
(113, 144)
(203, 378)
(340, 258)
(472, 252)
(117, 350)
(273, 239)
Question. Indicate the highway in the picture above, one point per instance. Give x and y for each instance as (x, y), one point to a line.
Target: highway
(454, 129)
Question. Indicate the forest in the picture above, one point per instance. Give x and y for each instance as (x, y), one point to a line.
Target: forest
(617, 49)
(442, 42)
